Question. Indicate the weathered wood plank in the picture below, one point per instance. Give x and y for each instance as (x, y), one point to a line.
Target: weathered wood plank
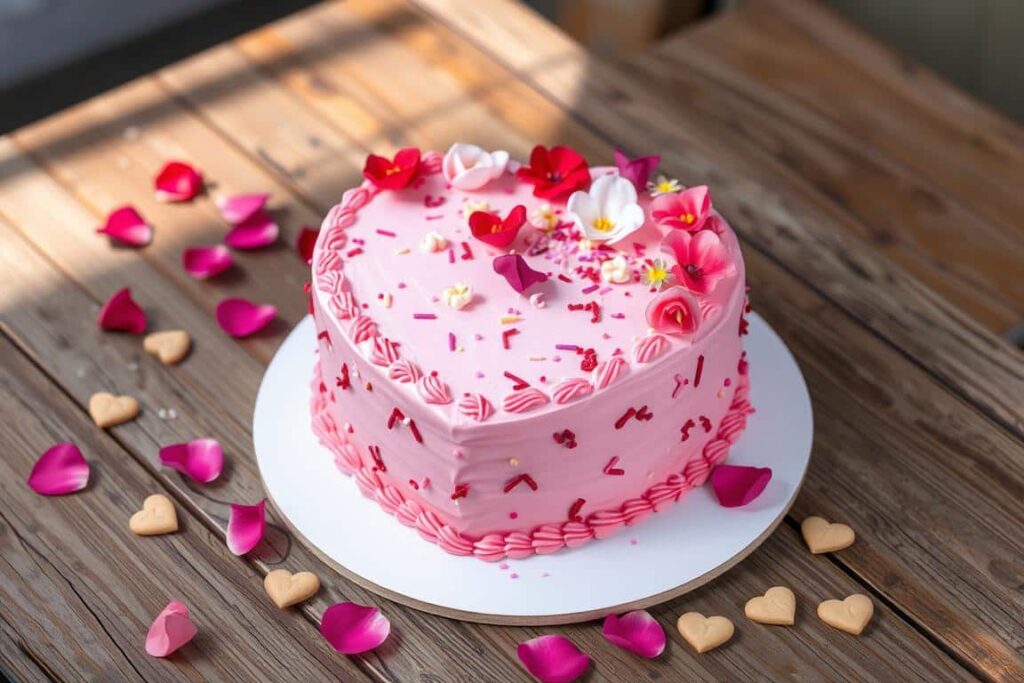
(79, 590)
(16, 662)
(774, 209)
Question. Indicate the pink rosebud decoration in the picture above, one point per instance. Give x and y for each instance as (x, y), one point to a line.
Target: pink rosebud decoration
(122, 314)
(203, 263)
(674, 311)
(126, 226)
(200, 459)
(739, 485)
(241, 317)
(638, 632)
(519, 275)
(59, 471)
(686, 210)
(553, 659)
(256, 232)
(636, 171)
(352, 629)
(702, 259)
(241, 207)
(245, 527)
(171, 630)
(177, 182)
(305, 242)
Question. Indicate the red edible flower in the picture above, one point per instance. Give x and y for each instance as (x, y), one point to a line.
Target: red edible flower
(497, 231)
(555, 173)
(305, 242)
(392, 174)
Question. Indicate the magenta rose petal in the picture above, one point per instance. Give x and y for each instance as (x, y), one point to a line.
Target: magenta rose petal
(121, 314)
(241, 317)
(553, 659)
(515, 270)
(245, 527)
(203, 263)
(256, 232)
(305, 242)
(638, 632)
(200, 459)
(241, 207)
(59, 471)
(739, 485)
(126, 226)
(352, 628)
(172, 629)
(177, 182)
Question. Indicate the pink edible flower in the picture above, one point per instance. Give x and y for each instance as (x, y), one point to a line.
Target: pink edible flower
(126, 226)
(638, 632)
(246, 524)
(121, 314)
(553, 659)
(674, 311)
(177, 182)
(59, 471)
(702, 259)
(686, 210)
(352, 629)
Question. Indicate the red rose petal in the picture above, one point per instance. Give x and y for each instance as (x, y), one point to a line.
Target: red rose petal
(58, 471)
(205, 262)
(739, 485)
(245, 527)
(126, 226)
(122, 314)
(258, 231)
(177, 182)
(241, 317)
(171, 629)
(638, 632)
(305, 243)
(352, 628)
(200, 459)
(241, 207)
(553, 659)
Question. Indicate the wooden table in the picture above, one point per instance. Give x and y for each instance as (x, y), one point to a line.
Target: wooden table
(881, 218)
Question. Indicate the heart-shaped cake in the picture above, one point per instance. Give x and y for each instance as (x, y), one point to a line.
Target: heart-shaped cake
(518, 358)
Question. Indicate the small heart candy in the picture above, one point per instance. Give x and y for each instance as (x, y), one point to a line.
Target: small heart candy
(287, 589)
(169, 346)
(851, 615)
(156, 517)
(776, 606)
(108, 410)
(704, 633)
(823, 537)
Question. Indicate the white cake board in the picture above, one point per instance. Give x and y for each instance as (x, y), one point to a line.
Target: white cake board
(669, 553)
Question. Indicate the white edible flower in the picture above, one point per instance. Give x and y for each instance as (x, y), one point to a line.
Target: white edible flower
(544, 217)
(609, 212)
(471, 207)
(432, 242)
(615, 270)
(458, 295)
(468, 167)
(664, 185)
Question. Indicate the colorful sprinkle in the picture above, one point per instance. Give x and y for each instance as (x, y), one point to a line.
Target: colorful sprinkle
(509, 319)
(424, 316)
(700, 371)
(451, 341)
(611, 469)
(354, 252)
(386, 233)
(520, 382)
(506, 334)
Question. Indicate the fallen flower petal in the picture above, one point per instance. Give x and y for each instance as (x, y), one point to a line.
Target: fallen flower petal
(257, 231)
(739, 485)
(200, 459)
(241, 207)
(241, 317)
(305, 242)
(58, 471)
(553, 659)
(638, 632)
(126, 226)
(205, 262)
(122, 314)
(172, 629)
(515, 270)
(245, 527)
(177, 182)
(352, 628)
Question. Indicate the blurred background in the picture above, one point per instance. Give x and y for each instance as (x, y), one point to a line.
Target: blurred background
(56, 52)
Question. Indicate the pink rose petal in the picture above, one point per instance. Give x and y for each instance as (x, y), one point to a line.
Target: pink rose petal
(122, 314)
(305, 243)
(256, 232)
(245, 527)
(739, 485)
(177, 182)
(126, 226)
(638, 632)
(205, 262)
(200, 459)
(58, 471)
(171, 629)
(553, 659)
(241, 317)
(241, 207)
(352, 628)
(517, 272)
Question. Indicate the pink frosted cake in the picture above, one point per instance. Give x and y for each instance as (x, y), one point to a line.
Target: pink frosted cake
(515, 359)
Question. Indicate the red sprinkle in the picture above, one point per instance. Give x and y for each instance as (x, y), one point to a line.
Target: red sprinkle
(396, 415)
(566, 438)
(467, 253)
(685, 430)
(415, 431)
(574, 510)
(520, 382)
(700, 371)
(626, 416)
(520, 479)
(461, 491)
(611, 468)
(375, 454)
(386, 233)
(506, 334)
(342, 380)
(564, 278)
(705, 423)
(451, 255)
(354, 252)
(414, 485)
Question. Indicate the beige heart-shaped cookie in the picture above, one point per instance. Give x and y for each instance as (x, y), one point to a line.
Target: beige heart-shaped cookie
(156, 517)
(108, 410)
(851, 615)
(704, 633)
(287, 589)
(824, 537)
(776, 606)
(169, 346)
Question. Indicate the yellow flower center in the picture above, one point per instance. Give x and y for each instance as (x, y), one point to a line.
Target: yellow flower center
(687, 218)
(392, 170)
(666, 186)
(655, 274)
(603, 224)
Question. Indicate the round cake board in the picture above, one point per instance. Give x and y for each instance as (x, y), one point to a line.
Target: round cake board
(669, 553)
